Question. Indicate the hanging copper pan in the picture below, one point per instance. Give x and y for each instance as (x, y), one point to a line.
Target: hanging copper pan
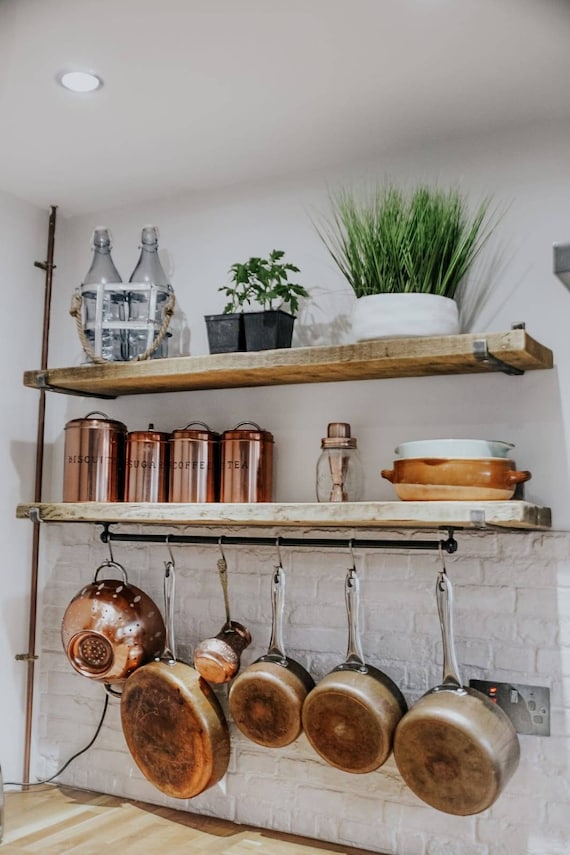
(218, 659)
(267, 697)
(173, 723)
(455, 749)
(110, 628)
(351, 716)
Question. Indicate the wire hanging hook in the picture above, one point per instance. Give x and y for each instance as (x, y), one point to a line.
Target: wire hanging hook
(442, 557)
(352, 568)
(221, 548)
(279, 568)
(171, 562)
(111, 556)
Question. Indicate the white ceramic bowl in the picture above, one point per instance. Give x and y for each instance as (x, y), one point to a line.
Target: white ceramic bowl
(464, 448)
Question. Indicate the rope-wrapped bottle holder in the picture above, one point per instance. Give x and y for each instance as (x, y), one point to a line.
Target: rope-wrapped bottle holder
(75, 312)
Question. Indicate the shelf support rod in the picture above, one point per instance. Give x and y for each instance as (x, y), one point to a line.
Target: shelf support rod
(449, 545)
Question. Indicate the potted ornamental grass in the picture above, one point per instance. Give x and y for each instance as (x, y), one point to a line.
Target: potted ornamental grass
(406, 256)
(263, 283)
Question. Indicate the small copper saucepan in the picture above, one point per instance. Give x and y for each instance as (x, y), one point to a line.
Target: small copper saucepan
(266, 699)
(110, 628)
(218, 658)
(351, 715)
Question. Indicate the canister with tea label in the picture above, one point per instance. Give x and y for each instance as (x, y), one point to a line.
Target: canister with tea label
(146, 472)
(94, 459)
(194, 464)
(247, 464)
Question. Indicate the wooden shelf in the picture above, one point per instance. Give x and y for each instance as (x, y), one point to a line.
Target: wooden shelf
(383, 358)
(510, 514)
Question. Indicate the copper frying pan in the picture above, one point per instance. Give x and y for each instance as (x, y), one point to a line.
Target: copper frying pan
(173, 723)
(455, 749)
(267, 697)
(351, 716)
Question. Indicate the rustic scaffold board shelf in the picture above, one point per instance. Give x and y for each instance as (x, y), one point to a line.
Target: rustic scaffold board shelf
(379, 359)
(510, 514)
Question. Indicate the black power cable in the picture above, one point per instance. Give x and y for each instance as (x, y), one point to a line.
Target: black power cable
(66, 764)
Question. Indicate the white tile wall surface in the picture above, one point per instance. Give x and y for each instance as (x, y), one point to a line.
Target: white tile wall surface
(512, 622)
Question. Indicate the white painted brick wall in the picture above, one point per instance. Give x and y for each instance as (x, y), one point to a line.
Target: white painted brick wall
(512, 622)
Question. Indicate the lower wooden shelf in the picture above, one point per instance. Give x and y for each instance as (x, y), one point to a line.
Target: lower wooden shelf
(510, 514)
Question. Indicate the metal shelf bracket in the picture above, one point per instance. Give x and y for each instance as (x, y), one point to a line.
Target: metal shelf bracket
(482, 354)
(44, 385)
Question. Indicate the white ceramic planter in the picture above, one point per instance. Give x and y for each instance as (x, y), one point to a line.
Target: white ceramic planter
(403, 315)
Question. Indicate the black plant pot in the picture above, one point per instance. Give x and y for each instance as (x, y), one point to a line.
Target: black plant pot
(268, 330)
(225, 332)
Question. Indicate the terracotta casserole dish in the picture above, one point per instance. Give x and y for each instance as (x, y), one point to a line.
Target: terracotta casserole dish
(455, 479)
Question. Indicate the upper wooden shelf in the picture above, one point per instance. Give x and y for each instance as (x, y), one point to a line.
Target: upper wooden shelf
(511, 514)
(513, 351)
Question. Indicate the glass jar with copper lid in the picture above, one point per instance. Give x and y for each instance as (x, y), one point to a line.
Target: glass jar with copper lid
(339, 470)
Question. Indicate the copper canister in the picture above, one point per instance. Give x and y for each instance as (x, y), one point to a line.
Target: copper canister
(247, 464)
(146, 473)
(94, 459)
(194, 464)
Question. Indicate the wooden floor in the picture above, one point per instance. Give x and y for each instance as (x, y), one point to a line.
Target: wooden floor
(60, 821)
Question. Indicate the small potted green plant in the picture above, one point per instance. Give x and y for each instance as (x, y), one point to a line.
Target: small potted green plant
(406, 257)
(226, 333)
(264, 282)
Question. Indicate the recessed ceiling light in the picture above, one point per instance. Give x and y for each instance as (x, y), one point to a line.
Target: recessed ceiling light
(79, 81)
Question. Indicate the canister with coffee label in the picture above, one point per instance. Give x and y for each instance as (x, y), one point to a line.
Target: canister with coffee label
(194, 464)
(146, 472)
(246, 464)
(94, 459)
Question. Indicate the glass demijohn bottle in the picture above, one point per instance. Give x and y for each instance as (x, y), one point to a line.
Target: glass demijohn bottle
(101, 302)
(148, 294)
(339, 469)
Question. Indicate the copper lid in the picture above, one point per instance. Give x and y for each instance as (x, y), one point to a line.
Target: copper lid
(253, 432)
(97, 423)
(150, 435)
(202, 432)
(338, 436)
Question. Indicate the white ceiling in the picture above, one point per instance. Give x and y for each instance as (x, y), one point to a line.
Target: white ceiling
(205, 93)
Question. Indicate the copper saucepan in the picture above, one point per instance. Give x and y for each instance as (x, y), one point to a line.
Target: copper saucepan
(173, 723)
(218, 658)
(455, 749)
(266, 699)
(351, 716)
(110, 628)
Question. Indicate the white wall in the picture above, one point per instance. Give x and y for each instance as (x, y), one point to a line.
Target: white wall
(23, 231)
(513, 602)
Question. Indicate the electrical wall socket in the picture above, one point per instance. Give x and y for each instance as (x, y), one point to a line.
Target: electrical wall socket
(528, 707)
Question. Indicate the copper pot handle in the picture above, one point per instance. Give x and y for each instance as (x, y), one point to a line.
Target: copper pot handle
(276, 646)
(444, 597)
(223, 574)
(169, 652)
(354, 655)
(109, 563)
(388, 474)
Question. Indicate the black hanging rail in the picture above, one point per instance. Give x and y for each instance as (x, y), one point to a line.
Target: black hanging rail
(449, 545)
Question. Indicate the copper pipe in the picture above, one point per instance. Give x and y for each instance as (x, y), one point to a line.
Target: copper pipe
(47, 266)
